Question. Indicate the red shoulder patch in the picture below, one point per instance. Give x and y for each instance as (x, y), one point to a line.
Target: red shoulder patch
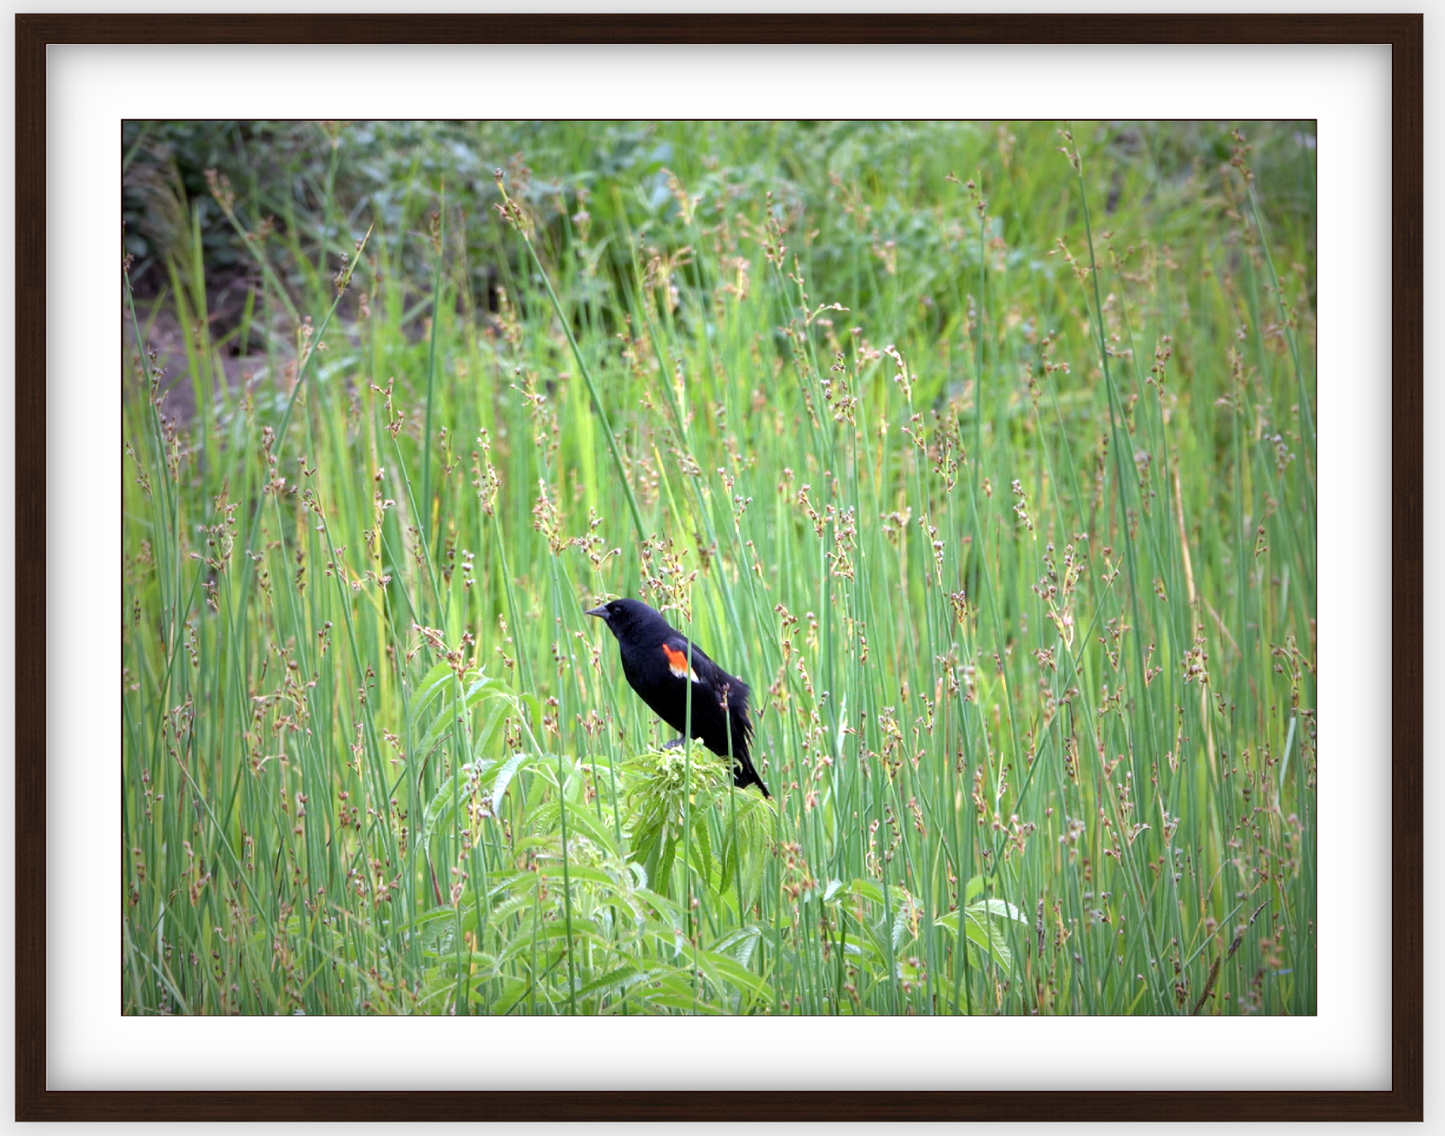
(677, 662)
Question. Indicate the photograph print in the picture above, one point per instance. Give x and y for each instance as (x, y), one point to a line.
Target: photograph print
(758, 567)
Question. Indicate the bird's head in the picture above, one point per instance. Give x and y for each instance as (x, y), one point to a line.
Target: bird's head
(624, 616)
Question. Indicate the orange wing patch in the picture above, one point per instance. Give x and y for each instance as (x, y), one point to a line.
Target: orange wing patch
(677, 663)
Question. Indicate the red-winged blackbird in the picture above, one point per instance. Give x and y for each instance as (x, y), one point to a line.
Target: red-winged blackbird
(654, 659)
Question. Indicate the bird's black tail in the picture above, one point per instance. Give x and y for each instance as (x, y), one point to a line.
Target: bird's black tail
(742, 736)
(744, 774)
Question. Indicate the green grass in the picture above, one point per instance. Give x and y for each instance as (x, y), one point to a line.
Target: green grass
(991, 467)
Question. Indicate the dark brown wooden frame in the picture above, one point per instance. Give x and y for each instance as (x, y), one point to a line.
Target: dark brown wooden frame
(1404, 1100)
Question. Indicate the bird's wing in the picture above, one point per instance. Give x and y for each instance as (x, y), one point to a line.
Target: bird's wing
(675, 650)
(705, 671)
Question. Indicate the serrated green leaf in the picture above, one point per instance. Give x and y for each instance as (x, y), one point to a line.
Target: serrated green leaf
(725, 967)
(513, 990)
(702, 846)
(623, 977)
(426, 691)
(900, 924)
(505, 774)
(996, 906)
(740, 943)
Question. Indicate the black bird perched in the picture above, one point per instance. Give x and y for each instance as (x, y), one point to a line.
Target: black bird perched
(655, 661)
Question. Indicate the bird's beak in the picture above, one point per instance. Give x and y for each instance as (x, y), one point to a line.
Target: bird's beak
(600, 612)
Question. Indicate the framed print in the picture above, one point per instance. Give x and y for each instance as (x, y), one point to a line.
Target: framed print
(857, 543)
